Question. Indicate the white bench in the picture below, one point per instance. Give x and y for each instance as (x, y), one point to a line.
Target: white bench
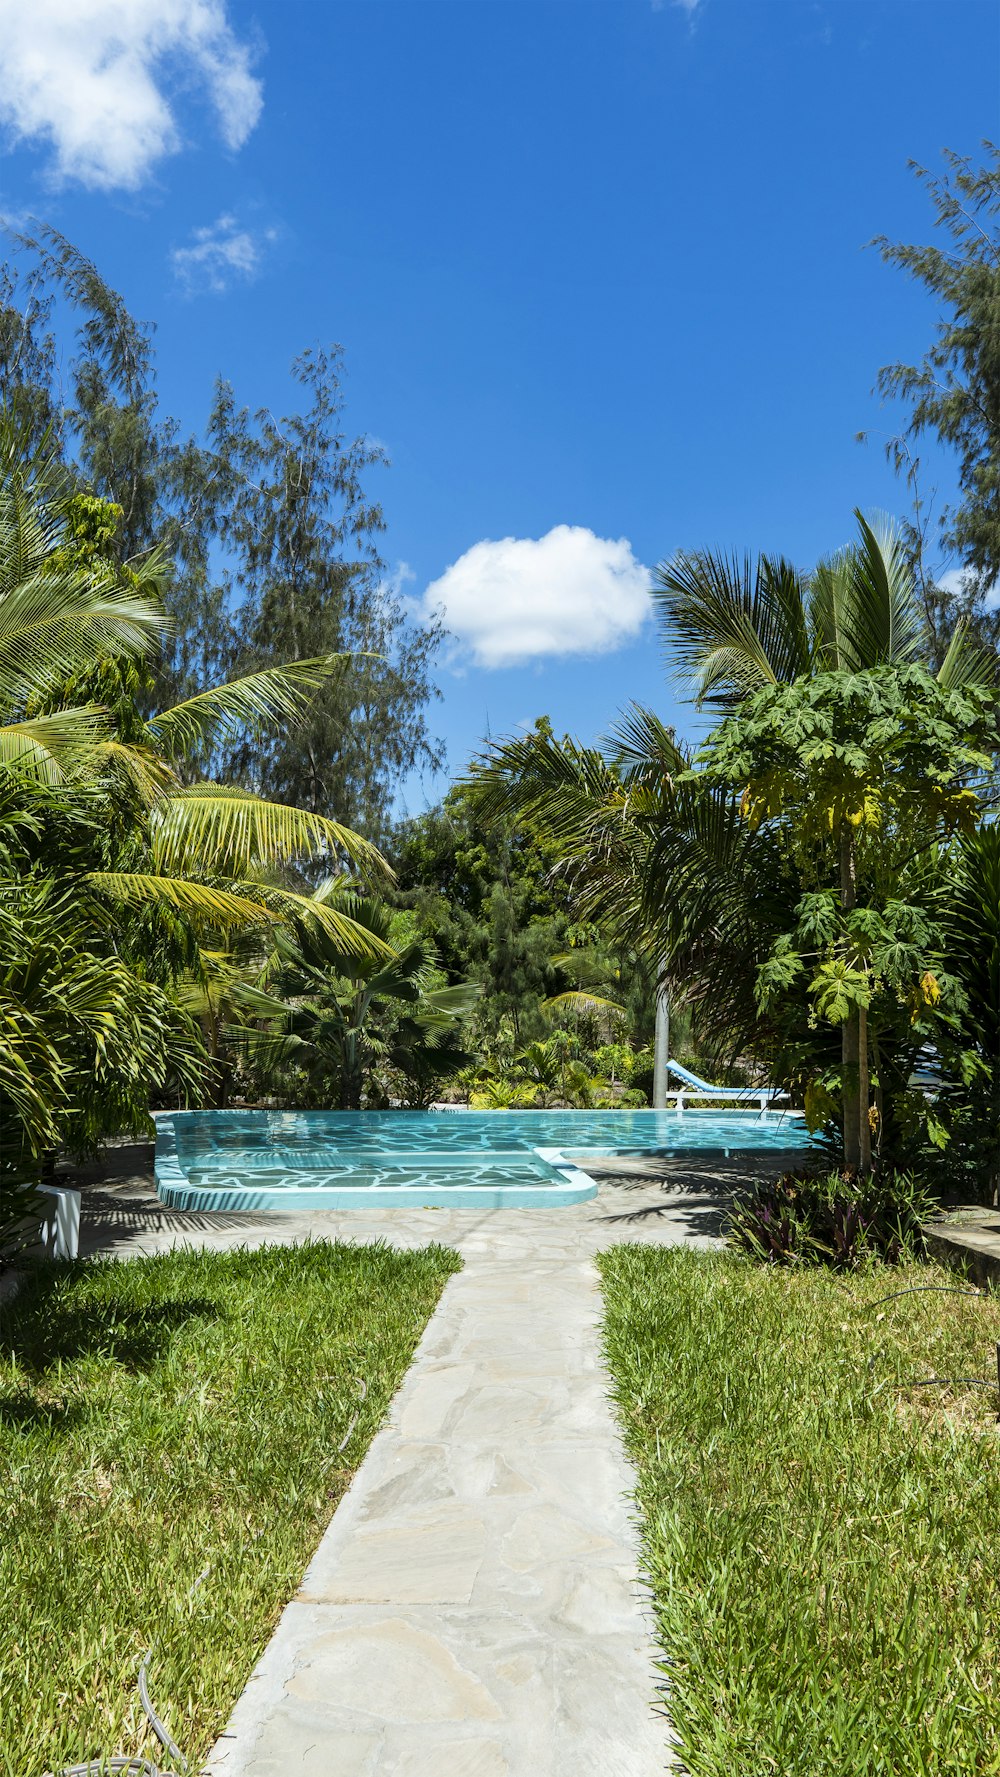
(727, 1095)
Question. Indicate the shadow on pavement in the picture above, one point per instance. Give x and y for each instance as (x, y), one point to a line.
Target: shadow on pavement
(119, 1203)
(694, 1196)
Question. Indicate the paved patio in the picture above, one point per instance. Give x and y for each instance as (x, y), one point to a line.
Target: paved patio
(475, 1608)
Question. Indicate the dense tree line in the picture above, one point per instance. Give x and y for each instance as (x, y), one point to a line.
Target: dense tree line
(267, 523)
(208, 699)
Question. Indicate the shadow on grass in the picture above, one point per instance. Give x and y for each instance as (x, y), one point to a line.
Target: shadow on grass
(47, 1324)
(24, 1412)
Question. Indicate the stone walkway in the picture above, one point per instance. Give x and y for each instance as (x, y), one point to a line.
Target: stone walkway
(474, 1609)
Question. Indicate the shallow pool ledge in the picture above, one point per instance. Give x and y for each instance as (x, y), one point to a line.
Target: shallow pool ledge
(560, 1182)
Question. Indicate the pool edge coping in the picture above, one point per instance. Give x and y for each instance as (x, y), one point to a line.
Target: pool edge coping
(176, 1190)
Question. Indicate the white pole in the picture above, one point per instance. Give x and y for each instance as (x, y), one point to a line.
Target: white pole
(661, 1045)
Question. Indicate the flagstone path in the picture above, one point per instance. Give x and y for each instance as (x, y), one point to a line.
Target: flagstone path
(474, 1609)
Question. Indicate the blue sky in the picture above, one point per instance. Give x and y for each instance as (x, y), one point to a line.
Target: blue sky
(599, 271)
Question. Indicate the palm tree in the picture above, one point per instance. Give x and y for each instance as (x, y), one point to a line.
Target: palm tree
(970, 1096)
(103, 814)
(734, 626)
(339, 1017)
(663, 864)
(72, 619)
(663, 858)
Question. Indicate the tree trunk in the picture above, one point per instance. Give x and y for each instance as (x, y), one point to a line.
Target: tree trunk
(661, 1044)
(223, 1081)
(875, 1056)
(864, 1094)
(849, 1052)
(351, 1079)
(854, 1043)
(850, 1042)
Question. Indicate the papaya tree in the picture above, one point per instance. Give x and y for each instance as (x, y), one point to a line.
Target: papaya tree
(858, 776)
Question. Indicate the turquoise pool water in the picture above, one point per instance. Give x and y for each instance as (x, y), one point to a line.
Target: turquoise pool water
(229, 1160)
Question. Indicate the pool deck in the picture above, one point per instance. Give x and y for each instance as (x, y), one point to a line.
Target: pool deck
(475, 1607)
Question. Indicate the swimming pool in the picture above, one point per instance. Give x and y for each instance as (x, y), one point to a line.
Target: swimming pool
(231, 1160)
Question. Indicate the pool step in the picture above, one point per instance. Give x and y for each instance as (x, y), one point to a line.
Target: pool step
(413, 1173)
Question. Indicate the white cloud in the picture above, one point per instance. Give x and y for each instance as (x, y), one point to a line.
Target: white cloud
(397, 579)
(522, 598)
(953, 580)
(91, 78)
(221, 253)
(959, 581)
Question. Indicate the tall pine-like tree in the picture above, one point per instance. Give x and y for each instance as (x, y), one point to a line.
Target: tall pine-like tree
(300, 535)
(267, 524)
(954, 392)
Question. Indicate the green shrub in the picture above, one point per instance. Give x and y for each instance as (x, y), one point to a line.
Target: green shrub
(494, 1095)
(641, 1077)
(614, 1061)
(834, 1218)
(617, 1098)
(526, 1096)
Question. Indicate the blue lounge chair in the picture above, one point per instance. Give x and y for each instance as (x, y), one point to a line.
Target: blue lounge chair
(693, 1086)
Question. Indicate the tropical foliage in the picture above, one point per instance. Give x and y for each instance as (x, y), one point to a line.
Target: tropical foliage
(953, 393)
(121, 868)
(341, 1027)
(501, 911)
(191, 899)
(794, 875)
(836, 1219)
(968, 1102)
(267, 520)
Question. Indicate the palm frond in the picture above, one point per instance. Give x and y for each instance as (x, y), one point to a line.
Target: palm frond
(639, 741)
(828, 600)
(149, 775)
(731, 626)
(353, 938)
(576, 1000)
(967, 661)
(216, 906)
(218, 829)
(54, 622)
(41, 747)
(450, 1003)
(539, 776)
(884, 615)
(257, 702)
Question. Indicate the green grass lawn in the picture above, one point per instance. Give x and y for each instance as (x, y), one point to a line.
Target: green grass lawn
(823, 1540)
(164, 1416)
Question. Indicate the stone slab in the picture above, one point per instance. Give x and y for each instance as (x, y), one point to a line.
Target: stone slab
(475, 1608)
(968, 1237)
(475, 1604)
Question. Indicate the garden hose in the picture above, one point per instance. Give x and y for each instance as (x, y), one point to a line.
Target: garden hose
(143, 1767)
(162, 1734)
(935, 1289)
(922, 1289)
(362, 1397)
